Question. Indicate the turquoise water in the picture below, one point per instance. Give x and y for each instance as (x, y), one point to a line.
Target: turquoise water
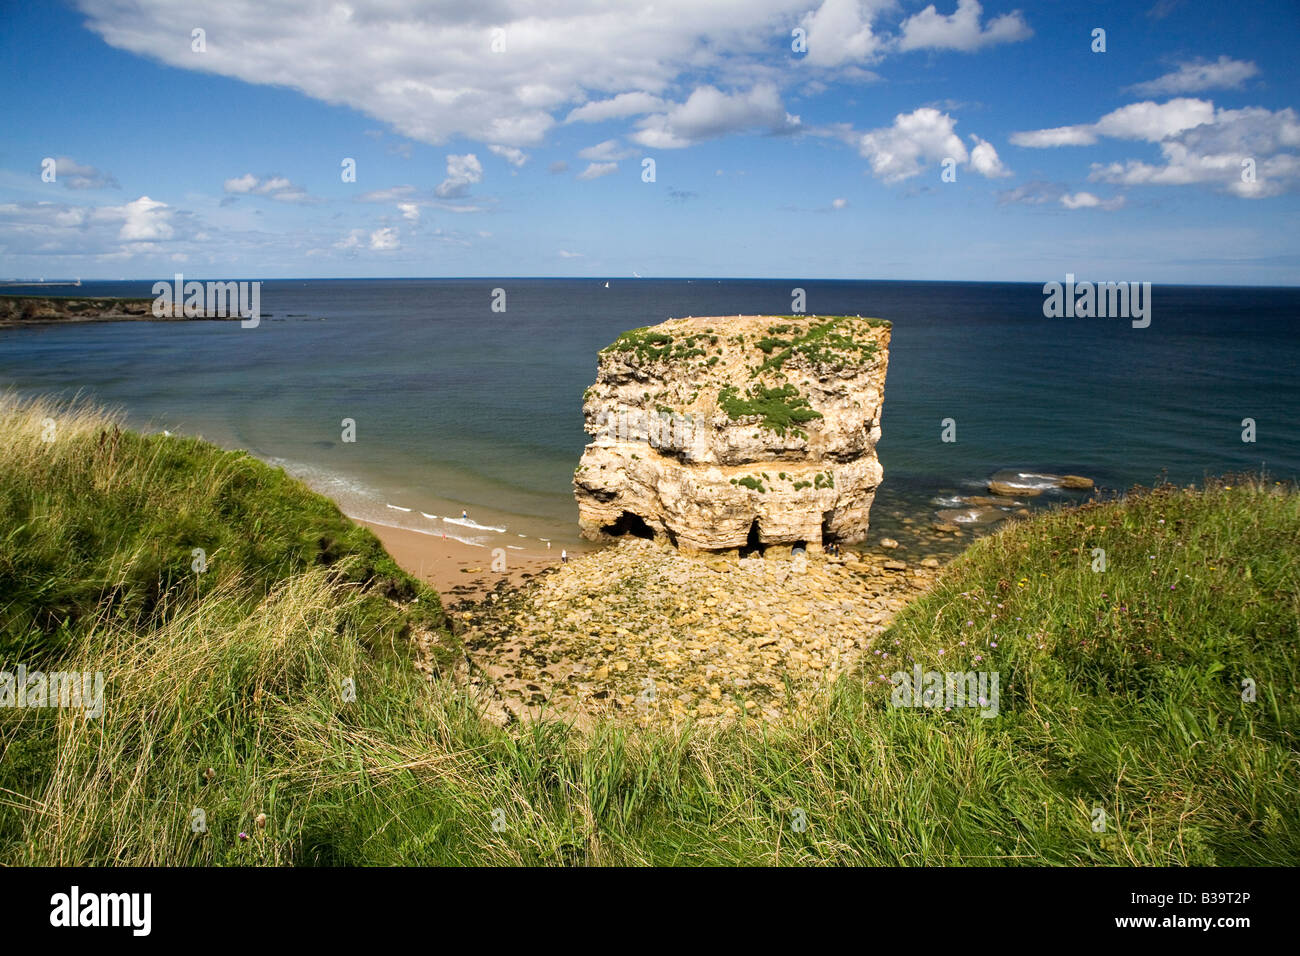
(459, 408)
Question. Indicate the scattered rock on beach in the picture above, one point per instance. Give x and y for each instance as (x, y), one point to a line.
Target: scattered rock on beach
(643, 632)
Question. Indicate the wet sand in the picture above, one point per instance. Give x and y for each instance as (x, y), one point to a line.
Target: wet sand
(460, 571)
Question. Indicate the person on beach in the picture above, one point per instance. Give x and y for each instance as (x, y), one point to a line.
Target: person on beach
(464, 515)
(564, 556)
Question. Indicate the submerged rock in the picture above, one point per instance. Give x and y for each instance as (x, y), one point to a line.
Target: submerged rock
(734, 432)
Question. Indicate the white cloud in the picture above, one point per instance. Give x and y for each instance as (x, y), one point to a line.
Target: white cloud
(596, 170)
(566, 254)
(513, 155)
(930, 29)
(144, 219)
(608, 151)
(1198, 75)
(409, 210)
(1147, 120)
(273, 187)
(462, 172)
(1220, 153)
(384, 240)
(241, 184)
(1155, 121)
(1082, 200)
(1056, 136)
(625, 104)
(429, 73)
(921, 138)
(840, 31)
(1244, 152)
(984, 160)
(839, 203)
(708, 113)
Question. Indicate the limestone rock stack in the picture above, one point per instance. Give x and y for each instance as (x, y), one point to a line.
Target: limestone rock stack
(735, 431)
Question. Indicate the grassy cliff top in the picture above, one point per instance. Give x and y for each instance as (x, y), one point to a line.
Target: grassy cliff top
(1163, 690)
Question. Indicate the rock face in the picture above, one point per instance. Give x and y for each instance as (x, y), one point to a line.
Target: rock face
(736, 431)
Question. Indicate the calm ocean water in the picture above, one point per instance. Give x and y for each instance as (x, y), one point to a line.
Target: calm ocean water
(459, 407)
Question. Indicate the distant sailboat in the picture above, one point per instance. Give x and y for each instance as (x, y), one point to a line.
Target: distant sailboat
(606, 283)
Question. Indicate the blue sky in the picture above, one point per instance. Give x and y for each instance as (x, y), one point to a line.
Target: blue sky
(527, 159)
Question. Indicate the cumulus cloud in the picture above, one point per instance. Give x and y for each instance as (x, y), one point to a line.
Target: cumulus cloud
(1082, 200)
(1247, 152)
(513, 155)
(1148, 120)
(462, 172)
(272, 187)
(430, 72)
(984, 160)
(709, 113)
(840, 31)
(410, 211)
(923, 138)
(75, 175)
(1198, 75)
(839, 203)
(596, 170)
(144, 220)
(930, 29)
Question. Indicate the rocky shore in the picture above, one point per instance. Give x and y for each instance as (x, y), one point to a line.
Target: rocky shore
(643, 632)
(31, 310)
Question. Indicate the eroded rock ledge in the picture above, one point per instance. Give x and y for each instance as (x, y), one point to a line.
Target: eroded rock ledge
(730, 432)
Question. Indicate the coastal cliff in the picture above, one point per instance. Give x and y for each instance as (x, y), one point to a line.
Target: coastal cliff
(736, 432)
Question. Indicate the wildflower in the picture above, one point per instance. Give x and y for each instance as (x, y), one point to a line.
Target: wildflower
(243, 836)
(961, 643)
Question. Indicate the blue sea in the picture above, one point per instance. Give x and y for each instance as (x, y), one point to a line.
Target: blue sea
(459, 408)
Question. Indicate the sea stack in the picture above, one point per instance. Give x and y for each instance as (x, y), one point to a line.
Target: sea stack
(736, 432)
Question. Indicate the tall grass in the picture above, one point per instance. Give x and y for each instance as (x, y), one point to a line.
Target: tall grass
(1118, 693)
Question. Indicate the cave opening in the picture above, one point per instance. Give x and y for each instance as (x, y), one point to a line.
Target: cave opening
(629, 523)
(827, 536)
(753, 542)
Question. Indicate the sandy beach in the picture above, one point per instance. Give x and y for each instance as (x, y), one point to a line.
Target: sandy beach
(461, 571)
